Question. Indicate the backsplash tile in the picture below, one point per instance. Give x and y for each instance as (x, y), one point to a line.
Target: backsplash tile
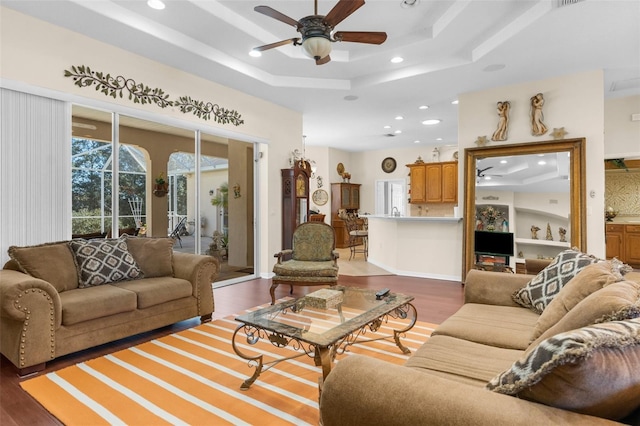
(622, 191)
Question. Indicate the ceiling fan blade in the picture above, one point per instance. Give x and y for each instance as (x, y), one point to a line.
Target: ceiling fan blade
(276, 44)
(361, 36)
(323, 61)
(272, 13)
(342, 10)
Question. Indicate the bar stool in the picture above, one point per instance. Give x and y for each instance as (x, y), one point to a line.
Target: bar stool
(357, 234)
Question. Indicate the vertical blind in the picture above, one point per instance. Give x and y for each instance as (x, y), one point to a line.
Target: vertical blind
(35, 171)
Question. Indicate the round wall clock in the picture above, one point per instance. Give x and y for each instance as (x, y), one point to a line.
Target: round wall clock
(320, 197)
(388, 165)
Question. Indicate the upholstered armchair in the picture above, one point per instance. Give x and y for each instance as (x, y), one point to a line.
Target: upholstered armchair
(312, 260)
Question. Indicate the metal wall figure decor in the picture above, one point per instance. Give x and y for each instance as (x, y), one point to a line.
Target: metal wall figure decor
(538, 128)
(502, 130)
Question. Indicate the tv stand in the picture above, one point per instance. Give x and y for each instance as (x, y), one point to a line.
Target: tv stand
(485, 262)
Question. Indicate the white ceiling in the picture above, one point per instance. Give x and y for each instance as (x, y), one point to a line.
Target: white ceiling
(448, 47)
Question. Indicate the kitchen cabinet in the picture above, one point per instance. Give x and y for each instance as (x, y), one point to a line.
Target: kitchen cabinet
(615, 240)
(418, 180)
(623, 242)
(434, 182)
(632, 243)
(343, 196)
(450, 182)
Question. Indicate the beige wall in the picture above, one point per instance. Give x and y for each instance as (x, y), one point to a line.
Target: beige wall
(35, 55)
(621, 135)
(575, 102)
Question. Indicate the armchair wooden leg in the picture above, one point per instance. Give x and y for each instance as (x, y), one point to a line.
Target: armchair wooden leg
(291, 290)
(272, 291)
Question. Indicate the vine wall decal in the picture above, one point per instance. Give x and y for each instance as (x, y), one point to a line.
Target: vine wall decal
(118, 86)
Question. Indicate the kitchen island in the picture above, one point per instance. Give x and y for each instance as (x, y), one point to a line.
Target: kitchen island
(417, 246)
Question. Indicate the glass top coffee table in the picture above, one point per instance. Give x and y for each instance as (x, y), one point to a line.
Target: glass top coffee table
(322, 324)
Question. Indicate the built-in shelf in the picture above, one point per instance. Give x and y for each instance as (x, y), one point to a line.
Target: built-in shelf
(542, 213)
(542, 242)
(539, 248)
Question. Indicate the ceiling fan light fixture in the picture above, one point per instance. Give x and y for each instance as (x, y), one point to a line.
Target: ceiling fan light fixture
(406, 4)
(156, 4)
(255, 53)
(316, 47)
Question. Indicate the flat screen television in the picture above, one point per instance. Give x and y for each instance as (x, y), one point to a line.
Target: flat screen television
(494, 243)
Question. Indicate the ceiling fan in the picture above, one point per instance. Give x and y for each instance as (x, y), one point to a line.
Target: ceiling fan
(481, 172)
(316, 30)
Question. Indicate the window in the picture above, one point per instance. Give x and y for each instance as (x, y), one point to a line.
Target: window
(91, 177)
(390, 197)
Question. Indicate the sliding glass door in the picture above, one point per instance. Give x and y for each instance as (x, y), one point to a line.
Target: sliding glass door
(196, 188)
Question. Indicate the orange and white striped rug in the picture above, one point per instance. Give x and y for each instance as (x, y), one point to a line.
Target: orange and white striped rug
(193, 378)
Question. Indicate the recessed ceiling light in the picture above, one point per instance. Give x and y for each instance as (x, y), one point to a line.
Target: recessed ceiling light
(396, 60)
(430, 122)
(487, 178)
(542, 162)
(399, 117)
(416, 141)
(438, 139)
(423, 107)
(455, 102)
(350, 98)
(503, 161)
(493, 67)
(156, 4)
(387, 127)
(398, 132)
(255, 53)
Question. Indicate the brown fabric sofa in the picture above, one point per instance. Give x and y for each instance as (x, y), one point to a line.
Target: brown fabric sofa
(45, 312)
(445, 381)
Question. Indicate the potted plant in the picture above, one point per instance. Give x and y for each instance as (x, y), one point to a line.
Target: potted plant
(161, 186)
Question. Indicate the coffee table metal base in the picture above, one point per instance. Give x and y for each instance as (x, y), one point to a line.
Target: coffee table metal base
(323, 356)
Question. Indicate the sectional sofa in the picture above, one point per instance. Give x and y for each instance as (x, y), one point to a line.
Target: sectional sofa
(561, 347)
(62, 297)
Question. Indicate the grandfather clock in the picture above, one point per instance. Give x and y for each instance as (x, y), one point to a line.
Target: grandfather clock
(295, 200)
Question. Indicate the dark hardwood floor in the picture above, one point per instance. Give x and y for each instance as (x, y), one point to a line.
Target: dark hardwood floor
(434, 300)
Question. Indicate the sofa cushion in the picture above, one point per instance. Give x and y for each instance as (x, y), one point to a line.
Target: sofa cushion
(501, 326)
(587, 281)
(84, 304)
(51, 262)
(463, 358)
(541, 290)
(154, 291)
(103, 261)
(306, 268)
(616, 302)
(153, 255)
(591, 370)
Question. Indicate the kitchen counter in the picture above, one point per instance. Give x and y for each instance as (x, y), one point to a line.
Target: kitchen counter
(416, 218)
(417, 246)
(625, 220)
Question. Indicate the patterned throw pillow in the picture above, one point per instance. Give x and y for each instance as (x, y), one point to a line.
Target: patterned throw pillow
(103, 261)
(541, 290)
(591, 370)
